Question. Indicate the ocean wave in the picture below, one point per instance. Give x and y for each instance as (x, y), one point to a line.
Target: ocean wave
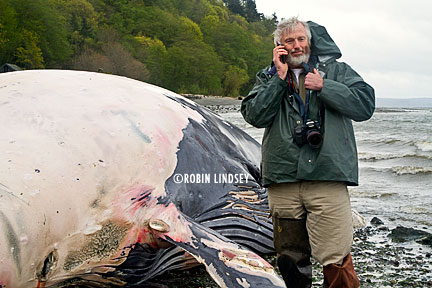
(411, 170)
(370, 157)
(377, 140)
(402, 170)
(374, 157)
(424, 146)
(390, 141)
(394, 110)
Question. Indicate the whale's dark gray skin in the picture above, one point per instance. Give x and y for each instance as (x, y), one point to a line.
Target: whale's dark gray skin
(106, 181)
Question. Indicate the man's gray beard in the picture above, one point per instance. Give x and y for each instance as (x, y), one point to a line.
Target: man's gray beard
(295, 61)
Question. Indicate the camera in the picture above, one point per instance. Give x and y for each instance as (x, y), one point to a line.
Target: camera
(310, 132)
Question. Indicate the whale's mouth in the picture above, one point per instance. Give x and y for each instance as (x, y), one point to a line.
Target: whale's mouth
(168, 239)
(229, 264)
(187, 243)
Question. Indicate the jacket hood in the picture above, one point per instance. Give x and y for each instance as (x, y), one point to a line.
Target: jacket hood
(322, 45)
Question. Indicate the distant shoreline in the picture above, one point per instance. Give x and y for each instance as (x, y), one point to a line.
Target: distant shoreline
(382, 103)
(213, 100)
(404, 103)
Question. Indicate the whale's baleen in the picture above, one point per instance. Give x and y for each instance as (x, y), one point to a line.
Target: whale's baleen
(90, 193)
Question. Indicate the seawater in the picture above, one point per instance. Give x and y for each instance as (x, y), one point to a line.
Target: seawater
(395, 161)
(395, 164)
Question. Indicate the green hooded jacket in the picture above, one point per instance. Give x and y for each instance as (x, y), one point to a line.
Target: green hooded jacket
(344, 97)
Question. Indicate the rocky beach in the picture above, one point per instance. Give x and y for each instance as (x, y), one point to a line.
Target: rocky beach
(384, 258)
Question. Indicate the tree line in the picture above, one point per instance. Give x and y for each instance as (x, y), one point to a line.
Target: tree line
(209, 47)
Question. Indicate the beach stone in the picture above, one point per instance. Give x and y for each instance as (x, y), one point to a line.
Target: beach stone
(358, 220)
(403, 234)
(376, 221)
(426, 241)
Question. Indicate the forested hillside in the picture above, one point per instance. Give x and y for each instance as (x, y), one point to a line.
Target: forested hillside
(189, 46)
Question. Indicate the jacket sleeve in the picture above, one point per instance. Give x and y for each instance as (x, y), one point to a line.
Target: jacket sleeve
(349, 94)
(263, 102)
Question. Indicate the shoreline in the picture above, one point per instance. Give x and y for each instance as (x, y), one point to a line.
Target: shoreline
(213, 100)
(210, 100)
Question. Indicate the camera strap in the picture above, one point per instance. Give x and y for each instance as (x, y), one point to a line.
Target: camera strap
(304, 108)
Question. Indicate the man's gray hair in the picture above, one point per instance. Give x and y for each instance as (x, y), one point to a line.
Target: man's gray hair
(287, 25)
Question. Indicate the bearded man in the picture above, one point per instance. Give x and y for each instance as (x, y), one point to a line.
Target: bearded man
(305, 101)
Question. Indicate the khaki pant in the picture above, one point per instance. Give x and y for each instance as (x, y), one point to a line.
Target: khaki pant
(327, 210)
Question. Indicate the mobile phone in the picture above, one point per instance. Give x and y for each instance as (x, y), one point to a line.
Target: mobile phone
(283, 58)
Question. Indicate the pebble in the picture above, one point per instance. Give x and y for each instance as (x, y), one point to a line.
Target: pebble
(376, 221)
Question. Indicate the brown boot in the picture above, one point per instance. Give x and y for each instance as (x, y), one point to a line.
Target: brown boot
(341, 276)
(292, 246)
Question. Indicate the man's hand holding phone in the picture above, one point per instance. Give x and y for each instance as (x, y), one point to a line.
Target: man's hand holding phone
(279, 59)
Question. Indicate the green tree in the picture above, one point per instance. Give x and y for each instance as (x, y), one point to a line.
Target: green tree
(28, 55)
(235, 6)
(251, 13)
(81, 22)
(152, 52)
(193, 67)
(234, 78)
(196, 10)
(9, 35)
(167, 27)
(191, 46)
(43, 19)
(237, 44)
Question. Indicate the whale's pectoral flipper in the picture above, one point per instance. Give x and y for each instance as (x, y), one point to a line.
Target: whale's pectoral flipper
(229, 264)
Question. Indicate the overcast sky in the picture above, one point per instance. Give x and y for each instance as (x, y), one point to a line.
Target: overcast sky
(389, 43)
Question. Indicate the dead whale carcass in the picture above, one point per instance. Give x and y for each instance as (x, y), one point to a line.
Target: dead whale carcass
(93, 185)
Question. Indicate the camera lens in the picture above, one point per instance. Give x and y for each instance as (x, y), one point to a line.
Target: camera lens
(314, 138)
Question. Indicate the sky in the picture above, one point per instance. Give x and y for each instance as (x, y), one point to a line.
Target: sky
(389, 43)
